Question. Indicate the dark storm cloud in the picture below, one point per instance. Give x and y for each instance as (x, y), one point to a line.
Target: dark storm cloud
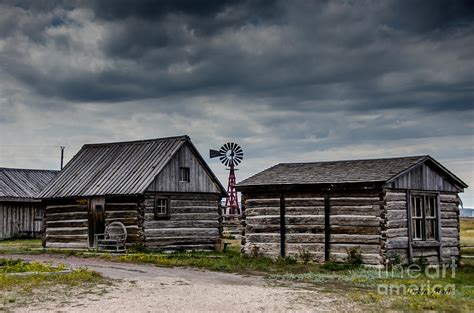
(300, 51)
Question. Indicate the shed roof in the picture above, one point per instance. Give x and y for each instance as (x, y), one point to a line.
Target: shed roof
(117, 168)
(341, 172)
(23, 184)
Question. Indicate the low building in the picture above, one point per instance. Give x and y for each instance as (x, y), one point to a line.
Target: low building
(20, 213)
(162, 190)
(390, 209)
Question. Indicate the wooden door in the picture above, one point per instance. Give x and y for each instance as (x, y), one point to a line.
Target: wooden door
(96, 219)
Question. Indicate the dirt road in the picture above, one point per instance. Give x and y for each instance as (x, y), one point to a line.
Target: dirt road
(146, 288)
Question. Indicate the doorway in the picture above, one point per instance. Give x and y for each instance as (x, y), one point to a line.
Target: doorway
(96, 219)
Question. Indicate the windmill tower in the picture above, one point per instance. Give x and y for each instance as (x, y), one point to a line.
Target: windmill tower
(230, 155)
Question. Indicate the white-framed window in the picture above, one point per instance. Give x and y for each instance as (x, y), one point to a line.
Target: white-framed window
(424, 217)
(184, 174)
(161, 207)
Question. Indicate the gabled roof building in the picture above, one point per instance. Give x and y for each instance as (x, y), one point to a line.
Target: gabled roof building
(162, 190)
(389, 209)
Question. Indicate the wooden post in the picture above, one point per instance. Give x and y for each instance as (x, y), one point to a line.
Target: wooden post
(410, 234)
(327, 227)
(62, 156)
(282, 226)
(438, 229)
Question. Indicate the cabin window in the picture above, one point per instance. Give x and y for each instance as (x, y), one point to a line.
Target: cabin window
(161, 207)
(424, 217)
(184, 174)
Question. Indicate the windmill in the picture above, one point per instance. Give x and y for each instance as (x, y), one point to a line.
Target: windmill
(230, 155)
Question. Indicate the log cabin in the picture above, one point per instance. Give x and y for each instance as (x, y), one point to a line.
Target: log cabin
(162, 190)
(391, 210)
(20, 213)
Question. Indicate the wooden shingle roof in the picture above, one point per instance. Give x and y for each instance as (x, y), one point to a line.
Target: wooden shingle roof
(339, 172)
(23, 184)
(118, 168)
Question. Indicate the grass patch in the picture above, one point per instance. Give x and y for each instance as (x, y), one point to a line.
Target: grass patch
(20, 244)
(230, 261)
(19, 266)
(18, 291)
(397, 289)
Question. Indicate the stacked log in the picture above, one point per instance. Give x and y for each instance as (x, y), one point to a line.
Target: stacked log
(449, 208)
(262, 226)
(193, 223)
(305, 230)
(395, 232)
(355, 223)
(130, 213)
(66, 226)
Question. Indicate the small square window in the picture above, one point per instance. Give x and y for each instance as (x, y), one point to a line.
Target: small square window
(184, 174)
(161, 207)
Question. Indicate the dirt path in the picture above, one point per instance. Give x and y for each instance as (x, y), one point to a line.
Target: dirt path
(146, 288)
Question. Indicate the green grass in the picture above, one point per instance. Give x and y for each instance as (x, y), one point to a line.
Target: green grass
(19, 266)
(17, 291)
(20, 244)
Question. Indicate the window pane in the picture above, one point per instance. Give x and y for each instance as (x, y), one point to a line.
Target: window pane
(431, 229)
(416, 207)
(431, 207)
(184, 174)
(161, 206)
(416, 223)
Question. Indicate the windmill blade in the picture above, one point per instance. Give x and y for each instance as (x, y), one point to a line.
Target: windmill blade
(214, 154)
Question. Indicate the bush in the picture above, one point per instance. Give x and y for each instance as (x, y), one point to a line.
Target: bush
(137, 248)
(354, 256)
(304, 255)
(335, 267)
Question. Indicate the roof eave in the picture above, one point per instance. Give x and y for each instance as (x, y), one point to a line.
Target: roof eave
(368, 185)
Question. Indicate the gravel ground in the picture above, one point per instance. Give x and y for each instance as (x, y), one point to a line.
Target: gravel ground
(147, 288)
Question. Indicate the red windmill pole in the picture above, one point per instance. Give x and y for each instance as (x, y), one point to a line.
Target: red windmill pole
(231, 155)
(232, 201)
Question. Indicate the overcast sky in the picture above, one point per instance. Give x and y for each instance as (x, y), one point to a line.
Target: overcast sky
(289, 81)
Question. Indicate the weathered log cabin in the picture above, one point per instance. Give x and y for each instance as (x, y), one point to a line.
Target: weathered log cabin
(20, 213)
(162, 190)
(390, 209)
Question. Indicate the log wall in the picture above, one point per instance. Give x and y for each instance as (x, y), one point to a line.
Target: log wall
(262, 225)
(66, 225)
(354, 219)
(193, 222)
(450, 244)
(395, 226)
(20, 219)
(130, 212)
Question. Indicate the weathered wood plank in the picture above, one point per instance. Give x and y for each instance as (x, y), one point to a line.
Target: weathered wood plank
(362, 230)
(396, 205)
(174, 232)
(364, 248)
(355, 238)
(181, 224)
(353, 220)
(367, 210)
(395, 196)
(67, 223)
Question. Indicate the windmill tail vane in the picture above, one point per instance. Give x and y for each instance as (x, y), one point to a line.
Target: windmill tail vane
(230, 154)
